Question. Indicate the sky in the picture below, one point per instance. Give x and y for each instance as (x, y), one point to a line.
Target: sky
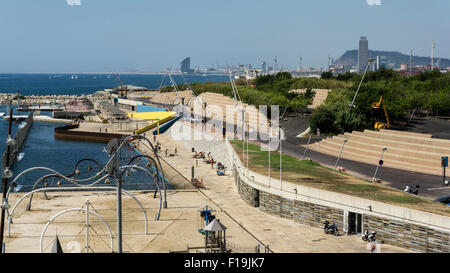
(149, 36)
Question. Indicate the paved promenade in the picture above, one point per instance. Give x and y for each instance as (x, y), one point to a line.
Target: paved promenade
(281, 235)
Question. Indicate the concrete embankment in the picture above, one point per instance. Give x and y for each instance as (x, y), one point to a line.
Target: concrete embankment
(40, 118)
(68, 132)
(19, 139)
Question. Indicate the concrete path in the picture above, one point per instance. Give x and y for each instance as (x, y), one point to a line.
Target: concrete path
(430, 185)
(281, 235)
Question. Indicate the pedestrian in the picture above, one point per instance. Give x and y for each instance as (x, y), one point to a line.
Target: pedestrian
(175, 150)
(167, 150)
(318, 132)
(100, 129)
(106, 130)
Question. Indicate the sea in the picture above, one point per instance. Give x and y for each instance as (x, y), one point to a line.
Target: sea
(78, 84)
(41, 149)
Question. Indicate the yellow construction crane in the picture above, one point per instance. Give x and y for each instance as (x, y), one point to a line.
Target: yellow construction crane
(380, 125)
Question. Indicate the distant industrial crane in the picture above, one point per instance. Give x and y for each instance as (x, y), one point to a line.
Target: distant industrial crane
(122, 89)
(380, 125)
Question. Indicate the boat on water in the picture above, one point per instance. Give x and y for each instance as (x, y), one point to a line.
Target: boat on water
(2, 114)
(22, 124)
(20, 156)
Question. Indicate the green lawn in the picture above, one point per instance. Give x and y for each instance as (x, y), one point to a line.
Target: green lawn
(312, 174)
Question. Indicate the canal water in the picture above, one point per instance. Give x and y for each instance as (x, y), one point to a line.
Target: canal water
(41, 149)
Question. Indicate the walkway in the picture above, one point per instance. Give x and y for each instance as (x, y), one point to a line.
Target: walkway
(281, 235)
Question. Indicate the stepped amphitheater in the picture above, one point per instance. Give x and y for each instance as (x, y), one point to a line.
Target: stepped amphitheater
(251, 112)
(319, 98)
(170, 98)
(407, 151)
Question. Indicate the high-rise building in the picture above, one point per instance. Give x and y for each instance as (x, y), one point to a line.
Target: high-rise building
(264, 66)
(363, 54)
(186, 65)
(381, 62)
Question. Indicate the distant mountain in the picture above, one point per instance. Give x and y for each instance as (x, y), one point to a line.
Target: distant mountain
(393, 59)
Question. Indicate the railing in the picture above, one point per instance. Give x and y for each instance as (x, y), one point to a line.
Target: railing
(19, 138)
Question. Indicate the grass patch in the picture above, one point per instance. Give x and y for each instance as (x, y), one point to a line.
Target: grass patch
(312, 174)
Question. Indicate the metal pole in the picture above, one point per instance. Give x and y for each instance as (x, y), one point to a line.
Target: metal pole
(87, 225)
(119, 215)
(378, 165)
(5, 183)
(443, 174)
(248, 138)
(340, 153)
(307, 145)
(243, 137)
(281, 181)
(357, 91)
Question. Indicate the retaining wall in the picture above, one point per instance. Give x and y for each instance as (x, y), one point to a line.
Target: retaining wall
(20, 138)
(398, 226)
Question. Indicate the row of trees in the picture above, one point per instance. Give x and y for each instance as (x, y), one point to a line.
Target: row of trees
(427, 92)
(269, 90)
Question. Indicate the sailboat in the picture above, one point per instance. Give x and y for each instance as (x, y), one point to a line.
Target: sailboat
(20, 156)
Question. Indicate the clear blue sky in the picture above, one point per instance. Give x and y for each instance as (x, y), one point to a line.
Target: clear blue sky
(117, 35)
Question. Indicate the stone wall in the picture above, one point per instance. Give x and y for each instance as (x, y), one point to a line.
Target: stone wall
(301, 212)
(410, 236)
(397, 233)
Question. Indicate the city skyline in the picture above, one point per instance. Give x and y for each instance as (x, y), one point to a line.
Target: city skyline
(92, 36)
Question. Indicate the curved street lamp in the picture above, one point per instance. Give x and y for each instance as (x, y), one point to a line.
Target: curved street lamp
(352, 105)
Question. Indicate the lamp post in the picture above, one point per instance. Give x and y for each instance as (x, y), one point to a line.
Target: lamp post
(340, 153)
(380, 163)
(352, 105)
(281, 181)
(306, 149)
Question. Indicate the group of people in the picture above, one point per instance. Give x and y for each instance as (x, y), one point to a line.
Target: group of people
(208, 159)
(166, 152)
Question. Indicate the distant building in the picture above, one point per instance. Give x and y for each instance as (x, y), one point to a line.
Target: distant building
(381, 62)
(264, 67)
(363, 54)
(186, 65)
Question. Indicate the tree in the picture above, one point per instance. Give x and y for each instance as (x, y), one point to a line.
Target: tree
(327, 75)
